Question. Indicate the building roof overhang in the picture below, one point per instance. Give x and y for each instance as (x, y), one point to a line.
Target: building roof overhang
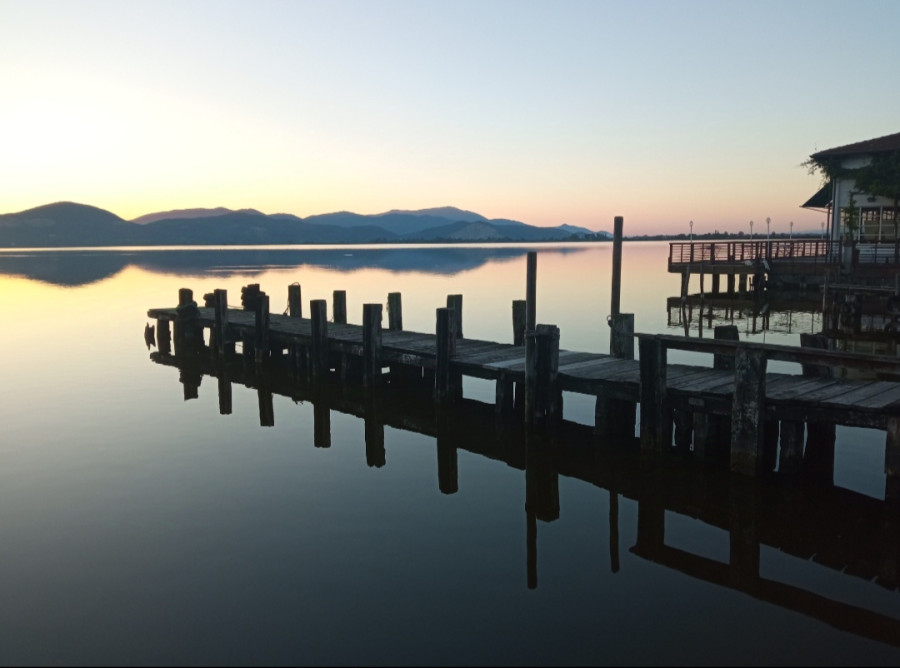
(821, 200)
(877, 145)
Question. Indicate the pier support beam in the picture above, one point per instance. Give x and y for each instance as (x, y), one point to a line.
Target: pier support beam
(371, 346)
(445, 386)
(319, 362)
(543, 398)
(261, 328)
(748, 411)
(221, 334)
(455, 302)
(615, 418)
(656, 418)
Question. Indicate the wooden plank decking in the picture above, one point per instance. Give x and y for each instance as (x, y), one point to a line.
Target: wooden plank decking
(793, 397)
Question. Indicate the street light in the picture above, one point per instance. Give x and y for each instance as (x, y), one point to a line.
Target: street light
(823, 230)
(692, 231)
(791, 238)
(751, 230)
(768, 221)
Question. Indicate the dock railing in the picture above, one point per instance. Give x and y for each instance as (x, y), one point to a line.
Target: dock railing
(739, 252)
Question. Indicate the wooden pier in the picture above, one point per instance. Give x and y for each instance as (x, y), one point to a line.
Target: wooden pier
(733, 405)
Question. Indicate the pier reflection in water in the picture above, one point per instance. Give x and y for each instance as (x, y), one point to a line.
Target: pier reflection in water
(851, 534)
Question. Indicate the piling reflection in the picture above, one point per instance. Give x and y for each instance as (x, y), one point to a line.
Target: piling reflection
(854, 535)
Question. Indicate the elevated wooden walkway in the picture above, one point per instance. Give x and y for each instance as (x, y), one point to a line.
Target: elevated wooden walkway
(702, 408)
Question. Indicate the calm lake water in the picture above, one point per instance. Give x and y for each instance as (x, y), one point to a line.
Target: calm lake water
(138, 527)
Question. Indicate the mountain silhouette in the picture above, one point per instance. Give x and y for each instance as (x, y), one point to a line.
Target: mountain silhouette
(67, 224)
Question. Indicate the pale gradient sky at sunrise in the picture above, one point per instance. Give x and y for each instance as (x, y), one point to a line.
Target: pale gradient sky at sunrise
(544, 112)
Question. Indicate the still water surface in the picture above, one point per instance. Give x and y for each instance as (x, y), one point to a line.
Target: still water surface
(137, 527)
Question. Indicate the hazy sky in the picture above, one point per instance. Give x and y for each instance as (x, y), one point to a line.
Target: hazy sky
(545, 112)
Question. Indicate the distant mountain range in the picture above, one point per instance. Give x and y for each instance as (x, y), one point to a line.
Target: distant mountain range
(68, 224)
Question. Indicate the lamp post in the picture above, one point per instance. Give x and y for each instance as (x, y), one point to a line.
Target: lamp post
(823, 230)
(692, 230)
(768, 222)
(751, 230)
(791, 238)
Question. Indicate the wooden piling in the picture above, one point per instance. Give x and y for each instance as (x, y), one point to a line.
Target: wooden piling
(656, 419)
(543, 400)
(261, 328)
(530, 291)
(224, 386)
(395, 311)
(455, 302)
(266, 406)
(621, 336)
(748, 411)
(221, 334)
(371, 345)
(374, 435)
(725, 333)
(295, 304)
(163, 336)
(444, 389)
(187, 334)
(339, 307)
(319, 361)
(616, 266)
(518, 321)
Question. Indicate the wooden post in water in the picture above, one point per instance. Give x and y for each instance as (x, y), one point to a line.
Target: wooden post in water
(448, 467)
(621, 335)
(455, 302)
(616, 265)
(444, 389)
(531, 291)
(395, 311)
(186, 331)
(222, 335)
(295, 304)
(543, 399)
(261, 328)
(656, 418)
(614, 418)
(371, 345)
(712, 433)
(518, 322)
(791, 456)
(339, 307)
(748, 411)
(319, 362)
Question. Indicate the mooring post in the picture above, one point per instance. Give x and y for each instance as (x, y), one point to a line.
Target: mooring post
(395, 311)
(615, 417)
(518, 322)
(339, 307)
(448, 467)
(374, 434)
(543, 400)
(616, 265)
(295, 305)
(261, 328)
(222, 335)
(186, 331)
(725, 333)
(319, 344)
(455, 302)
(621, 335)
(748, 411)
(371, 345)
(656, 418)
(446, 347)
(531, 291)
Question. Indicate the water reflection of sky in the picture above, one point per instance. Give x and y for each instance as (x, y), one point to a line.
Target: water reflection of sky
(137, 526)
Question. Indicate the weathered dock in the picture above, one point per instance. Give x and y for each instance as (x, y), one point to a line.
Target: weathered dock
(732, 405)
